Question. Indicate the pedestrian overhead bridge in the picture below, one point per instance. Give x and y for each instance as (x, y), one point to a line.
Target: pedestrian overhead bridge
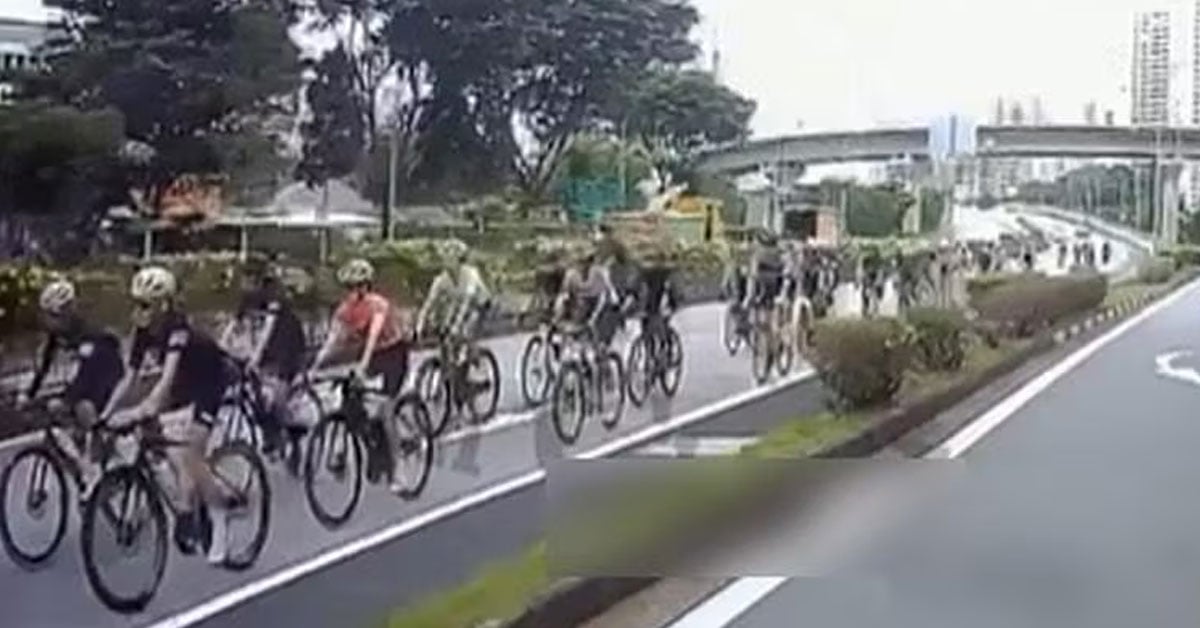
(991, 141)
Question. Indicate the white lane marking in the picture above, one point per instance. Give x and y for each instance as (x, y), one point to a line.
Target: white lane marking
(323, 560)
(735, 599)
(1164, 366)
(707, 446)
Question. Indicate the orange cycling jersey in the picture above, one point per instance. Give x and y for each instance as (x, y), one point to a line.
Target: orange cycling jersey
(356, 312)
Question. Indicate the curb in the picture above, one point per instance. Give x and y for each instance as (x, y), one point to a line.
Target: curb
(577, 600)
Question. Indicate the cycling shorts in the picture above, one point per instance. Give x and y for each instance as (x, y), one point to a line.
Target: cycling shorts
(392, 364)
(767, 289)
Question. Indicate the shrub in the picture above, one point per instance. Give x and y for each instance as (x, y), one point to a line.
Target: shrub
(979, 286)
(19, 287)
(939, 337)
(1031, 303)
(862, 363)
(1157, 270)
(1185, 256)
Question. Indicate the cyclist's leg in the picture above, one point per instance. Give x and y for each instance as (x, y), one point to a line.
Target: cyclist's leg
(392, 364)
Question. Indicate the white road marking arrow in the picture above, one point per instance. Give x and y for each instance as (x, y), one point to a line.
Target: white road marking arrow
(1167, 369)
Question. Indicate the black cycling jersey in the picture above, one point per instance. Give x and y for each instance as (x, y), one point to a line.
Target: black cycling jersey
(203, 375)
(656, 284)
(100, 366)
(284, 351)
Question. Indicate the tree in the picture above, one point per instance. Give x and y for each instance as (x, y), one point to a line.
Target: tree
(334, 134)
(677, 113)
(575, 56)
(179, 71)
(56, 173)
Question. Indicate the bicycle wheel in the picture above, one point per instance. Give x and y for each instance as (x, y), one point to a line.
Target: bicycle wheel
(535, 378)
(240, 473)
(672, 357)
(482, 378)
(304, 408)
(237, 425)
(123, 504)
(44, 499)
(730, 335)
(333, 446)
(414, 446)
(610, 390)
(761, 358)
(638, 371)
(434, 389)
(785, 351)
(569, 406)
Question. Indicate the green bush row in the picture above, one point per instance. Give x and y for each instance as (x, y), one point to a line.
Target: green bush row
(1027, 305)
(1157, 270)
(863, 363)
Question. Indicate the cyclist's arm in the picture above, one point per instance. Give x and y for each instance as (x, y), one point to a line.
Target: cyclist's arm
(373, 333)
(333, 339)
(268, 330)
(156, 400)
(434, 296)
(133, 365)
(49, 351)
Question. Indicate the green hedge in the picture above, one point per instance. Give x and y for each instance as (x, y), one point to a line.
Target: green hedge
(1158, 270)
(862, 362)
(1029, 304)
(939, 337)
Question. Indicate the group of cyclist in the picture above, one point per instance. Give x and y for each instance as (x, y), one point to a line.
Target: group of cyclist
(367, 329)
(196, 368)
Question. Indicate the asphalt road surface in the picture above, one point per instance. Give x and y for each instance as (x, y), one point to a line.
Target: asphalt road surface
(1079, 509)
(393, 552)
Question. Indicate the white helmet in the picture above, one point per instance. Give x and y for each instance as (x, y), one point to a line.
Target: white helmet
(153, 284)
(355, 272)
(454, 251)
(57, 296)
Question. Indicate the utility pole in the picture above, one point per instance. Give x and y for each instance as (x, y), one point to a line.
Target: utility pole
(393, 159)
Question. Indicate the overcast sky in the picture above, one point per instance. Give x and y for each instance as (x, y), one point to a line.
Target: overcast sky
(860, 63)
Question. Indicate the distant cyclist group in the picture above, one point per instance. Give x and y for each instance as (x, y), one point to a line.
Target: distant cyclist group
(241, 410)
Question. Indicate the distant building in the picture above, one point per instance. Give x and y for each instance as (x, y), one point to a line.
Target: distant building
(19, 41)
(1151, 80)
(1110, 118)
(1091, 114)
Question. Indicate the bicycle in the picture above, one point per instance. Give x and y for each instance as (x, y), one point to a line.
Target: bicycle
(770, 345)
(735, 324)
(583, 383)
(445, 383)
(655, 356)
(136, 495)
(350, 432)
(51, 467)
(251, 415)
(539, 361)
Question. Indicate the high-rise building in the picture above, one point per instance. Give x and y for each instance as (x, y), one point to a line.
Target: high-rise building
(1151, 81)
(1090, 113)
(998, 113)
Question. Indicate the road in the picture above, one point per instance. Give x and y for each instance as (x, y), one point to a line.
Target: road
(1077, 509)
(393, 552)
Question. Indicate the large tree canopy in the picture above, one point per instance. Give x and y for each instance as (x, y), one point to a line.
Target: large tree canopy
(179, 71)
(678, 113)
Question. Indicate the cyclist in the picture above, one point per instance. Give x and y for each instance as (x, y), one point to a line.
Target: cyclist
(458, 295)
(278, 353)
(100, 367)
(658, 294)
(194, 376)
(767, 264)
(588, 294)
(369, 324)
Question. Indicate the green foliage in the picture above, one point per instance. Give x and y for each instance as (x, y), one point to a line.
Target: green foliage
(1032, 303)
(978, 287)
(1185, 256)
(1157, 270)
(939, 337)
(862, 363)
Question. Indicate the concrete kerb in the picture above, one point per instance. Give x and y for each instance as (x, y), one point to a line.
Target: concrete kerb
(578, 600)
